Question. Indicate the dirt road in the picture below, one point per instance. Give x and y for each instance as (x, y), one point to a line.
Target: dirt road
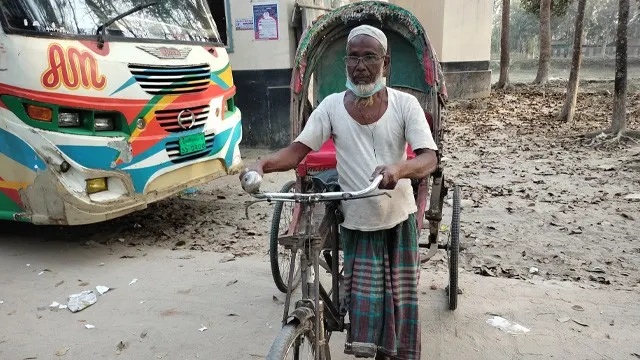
(179, 292)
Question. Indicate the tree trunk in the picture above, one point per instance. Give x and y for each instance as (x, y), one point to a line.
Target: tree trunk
(545, 43)
(504, 45)
(619, 120)
(569, 109)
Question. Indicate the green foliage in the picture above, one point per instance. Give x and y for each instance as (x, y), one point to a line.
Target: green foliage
(523, 30)
(558, 7)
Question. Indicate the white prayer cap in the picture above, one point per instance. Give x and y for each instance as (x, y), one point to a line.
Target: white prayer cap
(369, 31)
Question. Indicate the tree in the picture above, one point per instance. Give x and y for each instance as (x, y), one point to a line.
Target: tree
(599, 27)
(544, 9)
(569, 108)
(603, 23)
(558, 7)
(545, 43)
(603, 20)
(618, 129)
(504, 46)
(619, 120)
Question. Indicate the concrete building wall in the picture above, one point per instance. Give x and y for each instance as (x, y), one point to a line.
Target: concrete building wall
(251, 54)
(467, 27)
(460, 32)
(262, 71)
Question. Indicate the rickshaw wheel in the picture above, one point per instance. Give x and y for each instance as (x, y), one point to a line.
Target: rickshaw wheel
(453, 249)
(279, 258)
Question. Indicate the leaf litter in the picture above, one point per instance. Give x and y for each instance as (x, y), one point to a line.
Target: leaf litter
(539, 191)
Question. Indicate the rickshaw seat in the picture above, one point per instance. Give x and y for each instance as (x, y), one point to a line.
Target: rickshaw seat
(325, 158)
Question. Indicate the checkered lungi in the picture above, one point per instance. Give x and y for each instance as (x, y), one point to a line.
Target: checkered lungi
(381, 273)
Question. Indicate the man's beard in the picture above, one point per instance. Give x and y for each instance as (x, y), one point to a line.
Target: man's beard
(367, 88)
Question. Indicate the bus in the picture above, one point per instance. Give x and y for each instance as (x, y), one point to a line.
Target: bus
(107, 106)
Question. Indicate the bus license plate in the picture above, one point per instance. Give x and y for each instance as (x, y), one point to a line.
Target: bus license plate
(192, 143)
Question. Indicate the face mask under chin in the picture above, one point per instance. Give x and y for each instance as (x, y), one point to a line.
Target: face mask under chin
(366, 90)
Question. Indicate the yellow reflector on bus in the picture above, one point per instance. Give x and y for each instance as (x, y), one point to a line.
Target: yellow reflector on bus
(40, 113)
(96, 185)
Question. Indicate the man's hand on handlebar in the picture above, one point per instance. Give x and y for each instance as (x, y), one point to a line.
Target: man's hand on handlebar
(390, 176)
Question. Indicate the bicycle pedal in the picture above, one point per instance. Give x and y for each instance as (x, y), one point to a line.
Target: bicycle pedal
(362, 350)
(347, 349)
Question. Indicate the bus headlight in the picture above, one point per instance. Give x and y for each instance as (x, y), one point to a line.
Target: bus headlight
(104, 123)
(68, 119)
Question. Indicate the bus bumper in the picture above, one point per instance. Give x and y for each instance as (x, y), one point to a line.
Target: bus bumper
(69, 209)
(54, 197)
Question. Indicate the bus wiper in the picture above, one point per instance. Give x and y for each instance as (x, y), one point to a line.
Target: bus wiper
(102, 29)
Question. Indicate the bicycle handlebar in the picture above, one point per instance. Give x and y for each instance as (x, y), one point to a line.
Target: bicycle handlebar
(318, 197)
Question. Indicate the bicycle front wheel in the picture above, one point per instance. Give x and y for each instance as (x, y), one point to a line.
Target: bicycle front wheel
(279, 257)
(294, 342)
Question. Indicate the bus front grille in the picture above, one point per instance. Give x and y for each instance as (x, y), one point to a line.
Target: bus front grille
(168, 119)
(172, 80)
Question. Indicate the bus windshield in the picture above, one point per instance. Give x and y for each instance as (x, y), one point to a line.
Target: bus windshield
(168, 20)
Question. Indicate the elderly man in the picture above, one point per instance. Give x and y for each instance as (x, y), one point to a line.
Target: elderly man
(371, 125)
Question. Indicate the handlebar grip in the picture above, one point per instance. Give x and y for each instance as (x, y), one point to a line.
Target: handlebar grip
(376, 182)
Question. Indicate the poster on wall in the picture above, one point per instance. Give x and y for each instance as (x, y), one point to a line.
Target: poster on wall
(265, 21)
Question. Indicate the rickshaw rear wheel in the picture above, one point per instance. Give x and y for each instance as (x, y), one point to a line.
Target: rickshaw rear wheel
(279, 262)
(453, 250)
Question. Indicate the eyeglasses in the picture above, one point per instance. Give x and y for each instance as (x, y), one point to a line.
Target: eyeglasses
(367, 60)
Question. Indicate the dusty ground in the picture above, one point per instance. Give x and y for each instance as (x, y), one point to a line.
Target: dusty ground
(536, 198)
(543, 200)
(179, 292)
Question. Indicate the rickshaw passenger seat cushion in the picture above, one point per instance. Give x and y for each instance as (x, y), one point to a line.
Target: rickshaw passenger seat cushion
(429, 120)
(325, 158)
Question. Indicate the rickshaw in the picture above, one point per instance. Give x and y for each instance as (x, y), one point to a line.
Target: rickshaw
(308, 238)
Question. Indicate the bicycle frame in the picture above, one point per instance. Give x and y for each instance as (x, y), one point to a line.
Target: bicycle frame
(325, 309)
(317, 304)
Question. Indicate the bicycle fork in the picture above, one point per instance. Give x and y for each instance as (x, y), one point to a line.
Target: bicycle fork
(309, 270)
(322, 348)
